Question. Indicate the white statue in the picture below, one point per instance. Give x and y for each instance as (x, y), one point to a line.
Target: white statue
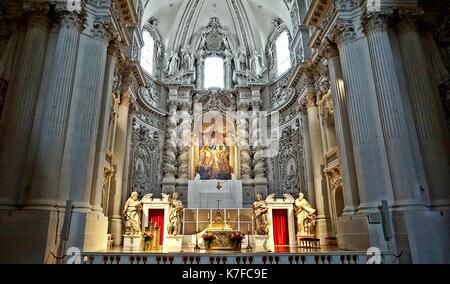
(240, 60)
(175, 210)
(132, 213)
(260, 215)
(174, 64)
(305, 214)
(188, 59)
(256, 65)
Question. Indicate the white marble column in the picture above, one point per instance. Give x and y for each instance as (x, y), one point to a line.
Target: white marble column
(185, 134)
(316, 147)
(79, 155)
(243, 139)
(406, 187)
(320, 189)
(46, 176)
(367, 138)
(21, 108)
(308, 160)
(170, 152)
(425, 103)
(345, 147)
(102, 135)
(120, 142)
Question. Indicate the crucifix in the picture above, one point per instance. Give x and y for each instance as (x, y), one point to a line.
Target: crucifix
(218, 203)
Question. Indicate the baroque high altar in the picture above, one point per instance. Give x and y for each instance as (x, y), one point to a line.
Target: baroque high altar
(268, 124)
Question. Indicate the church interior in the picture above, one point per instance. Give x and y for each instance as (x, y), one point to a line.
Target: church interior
(238, 131)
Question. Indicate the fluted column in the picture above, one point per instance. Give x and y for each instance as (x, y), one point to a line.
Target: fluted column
(119, 164)
(21, 108)
(320, 199)
(170, 155)
(185, 134)
(345, 152)
(78, 163)
(308, 159)
(243, 138)
(406, 186)
(102, 135)
(366, 134)
(47, 169)
(315, 140)
(425, 105)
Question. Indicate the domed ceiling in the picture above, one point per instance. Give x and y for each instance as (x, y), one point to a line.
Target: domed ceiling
(249, 23)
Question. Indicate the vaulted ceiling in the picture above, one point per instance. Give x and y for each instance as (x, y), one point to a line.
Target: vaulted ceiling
(248, 22)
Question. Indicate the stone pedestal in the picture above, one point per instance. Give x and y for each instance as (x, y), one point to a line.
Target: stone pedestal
(262, 242)
(173, 243)
(134, 242)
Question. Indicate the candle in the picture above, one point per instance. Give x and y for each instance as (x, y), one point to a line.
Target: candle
(229, 216)
(248, 228)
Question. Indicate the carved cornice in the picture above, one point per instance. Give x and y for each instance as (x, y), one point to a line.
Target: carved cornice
(127, 11)
(316, 12)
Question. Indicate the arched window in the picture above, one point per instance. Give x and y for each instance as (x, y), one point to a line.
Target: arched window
(283, 53)
(147, 52)
(214, 73)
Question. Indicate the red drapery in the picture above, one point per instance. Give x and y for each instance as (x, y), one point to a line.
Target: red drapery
(157, 216)
(280, 227)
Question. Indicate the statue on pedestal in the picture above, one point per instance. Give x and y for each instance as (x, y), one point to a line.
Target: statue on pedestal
(174, 64)
(305, 213)
(132, 213)
(175, 210)
(260, 215)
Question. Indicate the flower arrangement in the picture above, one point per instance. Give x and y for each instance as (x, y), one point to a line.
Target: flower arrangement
(236, 240)
(208, 237)
(236, 237)
(148, 236)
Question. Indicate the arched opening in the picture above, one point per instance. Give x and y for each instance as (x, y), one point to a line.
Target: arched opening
(147, 52)
(283, 53)
(214, 72)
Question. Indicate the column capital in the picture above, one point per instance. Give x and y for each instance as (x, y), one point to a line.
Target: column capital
(100, 30)
(125, 100)
(311, 101)
(344, 31)
(38, 19)
(330, 49)
(70, 20)
(408, 22)
(374, 22)
(114, 48)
